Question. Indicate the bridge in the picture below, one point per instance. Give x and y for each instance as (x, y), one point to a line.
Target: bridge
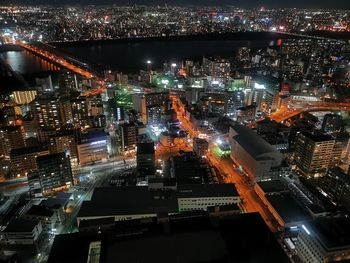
(296, 108)
(55, 56)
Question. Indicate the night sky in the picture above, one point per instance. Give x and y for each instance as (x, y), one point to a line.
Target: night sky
(343, 4)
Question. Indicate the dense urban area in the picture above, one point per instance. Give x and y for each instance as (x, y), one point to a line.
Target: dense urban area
(236, 158)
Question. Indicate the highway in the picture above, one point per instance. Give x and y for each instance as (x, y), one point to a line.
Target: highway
(296, 107)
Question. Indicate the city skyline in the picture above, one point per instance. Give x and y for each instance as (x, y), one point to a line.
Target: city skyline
(213, 134)
(311, 4)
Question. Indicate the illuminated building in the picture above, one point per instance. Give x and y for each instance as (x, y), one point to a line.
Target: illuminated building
(11, 137)
(154, 114)
(335, 185)
(23, 160)
(127, 136)
(313, 153)
(80, 112)
(156, 98)
(30, 126)
(200, 146)
(24, 97)
(64, 142)
(324, 240)
(92, 147)
(217, 68)
(44, 134)
(54, 174)
(47, 112)
(252, 153)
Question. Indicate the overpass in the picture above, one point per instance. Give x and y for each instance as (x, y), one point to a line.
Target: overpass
(285, 113)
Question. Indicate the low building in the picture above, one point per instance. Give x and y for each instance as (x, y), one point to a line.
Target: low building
(256, 156)
(324, 240)
(22, 232)
(141, 202)
(92, 147)
(190, 237)
(46, 216)
(281, 204)
(246, 113)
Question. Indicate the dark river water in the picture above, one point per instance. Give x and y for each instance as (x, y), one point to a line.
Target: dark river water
(132, 56)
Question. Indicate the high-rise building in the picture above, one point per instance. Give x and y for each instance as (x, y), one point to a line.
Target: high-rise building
(127, 136)
(64, 142)
(145, 158)
(11, 137)
(80, 112)
(54, 174)
(47, 111)
(24, 96)
(23, 160)
(154, 114)
(313, 153)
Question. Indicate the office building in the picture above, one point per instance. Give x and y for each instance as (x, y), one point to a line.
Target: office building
(80, 112)
(324, 240)
(145, 158)
(336, 186)
(54, 174)
(313, 153)
(92, 147)
(257, 157)
(127, 133)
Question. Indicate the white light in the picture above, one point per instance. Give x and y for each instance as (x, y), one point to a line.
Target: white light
(219, 141)
(173, 65)
(98, 142)
(306, 230)
(149, 62)
(259, 86)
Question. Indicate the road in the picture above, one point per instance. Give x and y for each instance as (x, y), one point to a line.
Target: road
(297, 107)
(251, 201)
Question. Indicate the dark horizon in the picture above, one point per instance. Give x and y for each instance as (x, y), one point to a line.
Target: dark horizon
(311, 4)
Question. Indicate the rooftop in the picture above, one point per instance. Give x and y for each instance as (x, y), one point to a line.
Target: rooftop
(21, 225)
(37, 210)
(240, 238)
(28, 150)
(251, 142)
(318, 137)
(287, 208)
(273, 186)
(332, 232)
